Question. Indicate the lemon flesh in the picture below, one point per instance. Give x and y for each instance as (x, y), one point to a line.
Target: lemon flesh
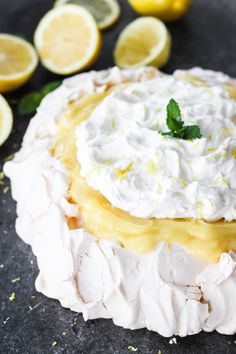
(145, 41)
(105, 12)
(6, 120)
(67, 39)
(165, 10)
(18, 61)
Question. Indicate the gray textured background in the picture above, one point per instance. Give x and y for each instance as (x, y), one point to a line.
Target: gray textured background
(206, 37)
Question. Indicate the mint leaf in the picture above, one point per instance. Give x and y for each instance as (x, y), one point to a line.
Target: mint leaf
(174, 117)
(50, 87)
(29, 103)
(192, 132)
(176, 125)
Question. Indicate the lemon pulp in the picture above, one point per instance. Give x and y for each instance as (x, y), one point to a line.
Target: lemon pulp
(67, 39)
(105, 12)
(145, 41)
(6, 120)
(18, 60)
(201, 239)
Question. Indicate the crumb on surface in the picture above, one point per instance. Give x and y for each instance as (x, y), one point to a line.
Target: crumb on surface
(133, 349)
(5, 321)
(2, 176)
(173, 341)
(15, 280)
(1, 265)
(9, 158)
(54, 343)
(6, 189)
(64, 333)
(12, 297)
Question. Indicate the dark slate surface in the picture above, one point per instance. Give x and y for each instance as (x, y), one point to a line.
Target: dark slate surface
(30, 324)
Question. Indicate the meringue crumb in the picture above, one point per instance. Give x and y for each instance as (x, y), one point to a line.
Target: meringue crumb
(54, 343)
(33, 297)
(133, 349)
(12, 297)
(1, 266)
(6, 189)
(15, 280)
(173, 341)
(64, 333)
(5, 321)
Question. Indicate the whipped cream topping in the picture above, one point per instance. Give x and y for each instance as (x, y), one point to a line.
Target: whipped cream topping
(123, 156)
(167, 290)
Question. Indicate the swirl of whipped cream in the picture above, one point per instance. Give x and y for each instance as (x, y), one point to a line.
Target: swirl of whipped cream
(167, 290)
(138, 170)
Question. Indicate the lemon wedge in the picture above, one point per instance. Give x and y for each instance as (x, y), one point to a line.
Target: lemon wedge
(18, 61)
(145, 41)
(105, 12)
(6, 120)
(165, 10)
(67, 39)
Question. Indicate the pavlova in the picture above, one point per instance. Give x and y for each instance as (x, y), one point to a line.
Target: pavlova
(126, 190)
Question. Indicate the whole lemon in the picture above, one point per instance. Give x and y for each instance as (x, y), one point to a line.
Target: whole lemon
(166, 10)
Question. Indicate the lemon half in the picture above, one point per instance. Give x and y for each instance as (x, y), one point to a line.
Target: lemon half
(6, 120)
(18, 61)
(67, 39)
(145, 41)
(105, 12)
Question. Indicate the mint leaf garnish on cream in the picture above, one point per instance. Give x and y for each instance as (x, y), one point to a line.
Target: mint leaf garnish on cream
(175, 123)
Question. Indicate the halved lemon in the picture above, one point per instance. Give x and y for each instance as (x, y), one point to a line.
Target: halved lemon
(18, 61)
(145, 41)
(6, 120)
(105, 12)
(67, 39)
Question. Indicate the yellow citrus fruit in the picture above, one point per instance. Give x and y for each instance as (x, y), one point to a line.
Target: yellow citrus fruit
(105, 12)
(67, 39)
(145, 41)
(166, 10)
(18, 61)
(6, 120)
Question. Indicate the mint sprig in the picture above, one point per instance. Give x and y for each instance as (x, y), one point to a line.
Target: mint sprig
(29, 103)
(175, 123)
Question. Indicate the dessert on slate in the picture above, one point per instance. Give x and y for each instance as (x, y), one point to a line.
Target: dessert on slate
(125, 189)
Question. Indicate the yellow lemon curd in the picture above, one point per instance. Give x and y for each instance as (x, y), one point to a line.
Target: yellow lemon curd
(206, 240)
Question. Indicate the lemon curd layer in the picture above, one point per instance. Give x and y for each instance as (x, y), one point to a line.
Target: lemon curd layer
(206, 240)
